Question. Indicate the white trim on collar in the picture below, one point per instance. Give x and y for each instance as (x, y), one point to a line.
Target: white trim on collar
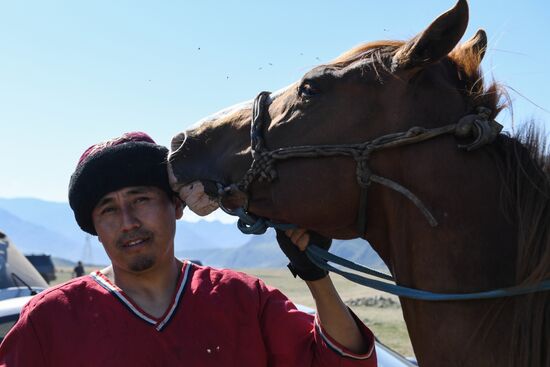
(159, 324)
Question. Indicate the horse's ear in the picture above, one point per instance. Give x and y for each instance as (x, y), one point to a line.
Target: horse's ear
(476, 45)
(436, 41)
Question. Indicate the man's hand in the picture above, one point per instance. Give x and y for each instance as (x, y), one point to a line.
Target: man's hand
(293, 242)
(334, 316)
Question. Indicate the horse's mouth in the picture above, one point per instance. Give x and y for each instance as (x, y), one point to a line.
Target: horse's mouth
(231, 198)
(205, 196)
(177, 183)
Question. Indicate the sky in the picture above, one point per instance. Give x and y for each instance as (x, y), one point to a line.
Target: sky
(73, 73)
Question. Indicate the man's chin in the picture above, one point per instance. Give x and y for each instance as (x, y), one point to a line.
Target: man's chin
(141, 263)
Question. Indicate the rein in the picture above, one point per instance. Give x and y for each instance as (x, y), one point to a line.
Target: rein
(478, 127)
(250, 224)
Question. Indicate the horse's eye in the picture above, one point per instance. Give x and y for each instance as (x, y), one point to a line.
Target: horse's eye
(307, 90)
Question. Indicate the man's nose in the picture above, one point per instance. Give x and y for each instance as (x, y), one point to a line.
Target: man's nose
(128, 218)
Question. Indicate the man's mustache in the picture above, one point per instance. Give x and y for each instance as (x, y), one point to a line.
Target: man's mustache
(137, 234)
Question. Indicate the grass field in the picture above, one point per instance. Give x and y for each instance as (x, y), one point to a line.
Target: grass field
(386, 321)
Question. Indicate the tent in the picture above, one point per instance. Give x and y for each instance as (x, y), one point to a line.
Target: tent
(18, 277)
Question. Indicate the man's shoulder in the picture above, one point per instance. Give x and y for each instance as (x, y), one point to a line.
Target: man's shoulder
(224, 277)
(224, 286)
(63, 294)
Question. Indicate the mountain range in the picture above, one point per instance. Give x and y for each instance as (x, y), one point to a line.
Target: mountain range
(39, 226)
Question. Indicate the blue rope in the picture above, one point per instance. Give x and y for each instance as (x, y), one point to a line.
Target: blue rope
(316, 257)
(323, 256)
(250, 224)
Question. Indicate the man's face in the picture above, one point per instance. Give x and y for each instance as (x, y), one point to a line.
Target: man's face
(136, 225)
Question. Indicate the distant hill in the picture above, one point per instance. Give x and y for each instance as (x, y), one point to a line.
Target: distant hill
(38, 226)
(57, 217)
(34, 238)
(259, 251)
(208, 234)
(60, 262)
(263, 252)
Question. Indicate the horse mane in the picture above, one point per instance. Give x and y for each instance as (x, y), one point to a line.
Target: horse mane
(523, 163)
(524, 167)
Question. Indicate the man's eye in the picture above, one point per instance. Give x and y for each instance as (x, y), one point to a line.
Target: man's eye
(142, 199)
(107, 210)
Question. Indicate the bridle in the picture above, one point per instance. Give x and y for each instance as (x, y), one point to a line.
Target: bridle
(477, 127)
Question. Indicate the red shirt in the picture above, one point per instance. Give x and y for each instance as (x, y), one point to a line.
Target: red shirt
(217, 318)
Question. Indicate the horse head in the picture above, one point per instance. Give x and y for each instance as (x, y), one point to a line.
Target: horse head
(372, 90)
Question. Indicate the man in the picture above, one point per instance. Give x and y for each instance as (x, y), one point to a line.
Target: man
(150, 309)
(78, 270)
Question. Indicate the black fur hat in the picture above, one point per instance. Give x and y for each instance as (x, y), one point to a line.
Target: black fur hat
(134, 159)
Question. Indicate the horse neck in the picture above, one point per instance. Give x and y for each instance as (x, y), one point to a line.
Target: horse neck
(473, 248)
(462, 191)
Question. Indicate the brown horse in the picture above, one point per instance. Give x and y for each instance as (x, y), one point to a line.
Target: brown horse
(491, 204)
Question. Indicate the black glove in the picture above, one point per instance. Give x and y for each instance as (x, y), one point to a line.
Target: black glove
(299, 264)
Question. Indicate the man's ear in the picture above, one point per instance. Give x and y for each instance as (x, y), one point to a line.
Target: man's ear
(179, 206)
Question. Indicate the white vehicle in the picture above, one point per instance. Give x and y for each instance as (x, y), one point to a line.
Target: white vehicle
(18, 277)
(9, 313)
(19, 281)
(390, 358)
